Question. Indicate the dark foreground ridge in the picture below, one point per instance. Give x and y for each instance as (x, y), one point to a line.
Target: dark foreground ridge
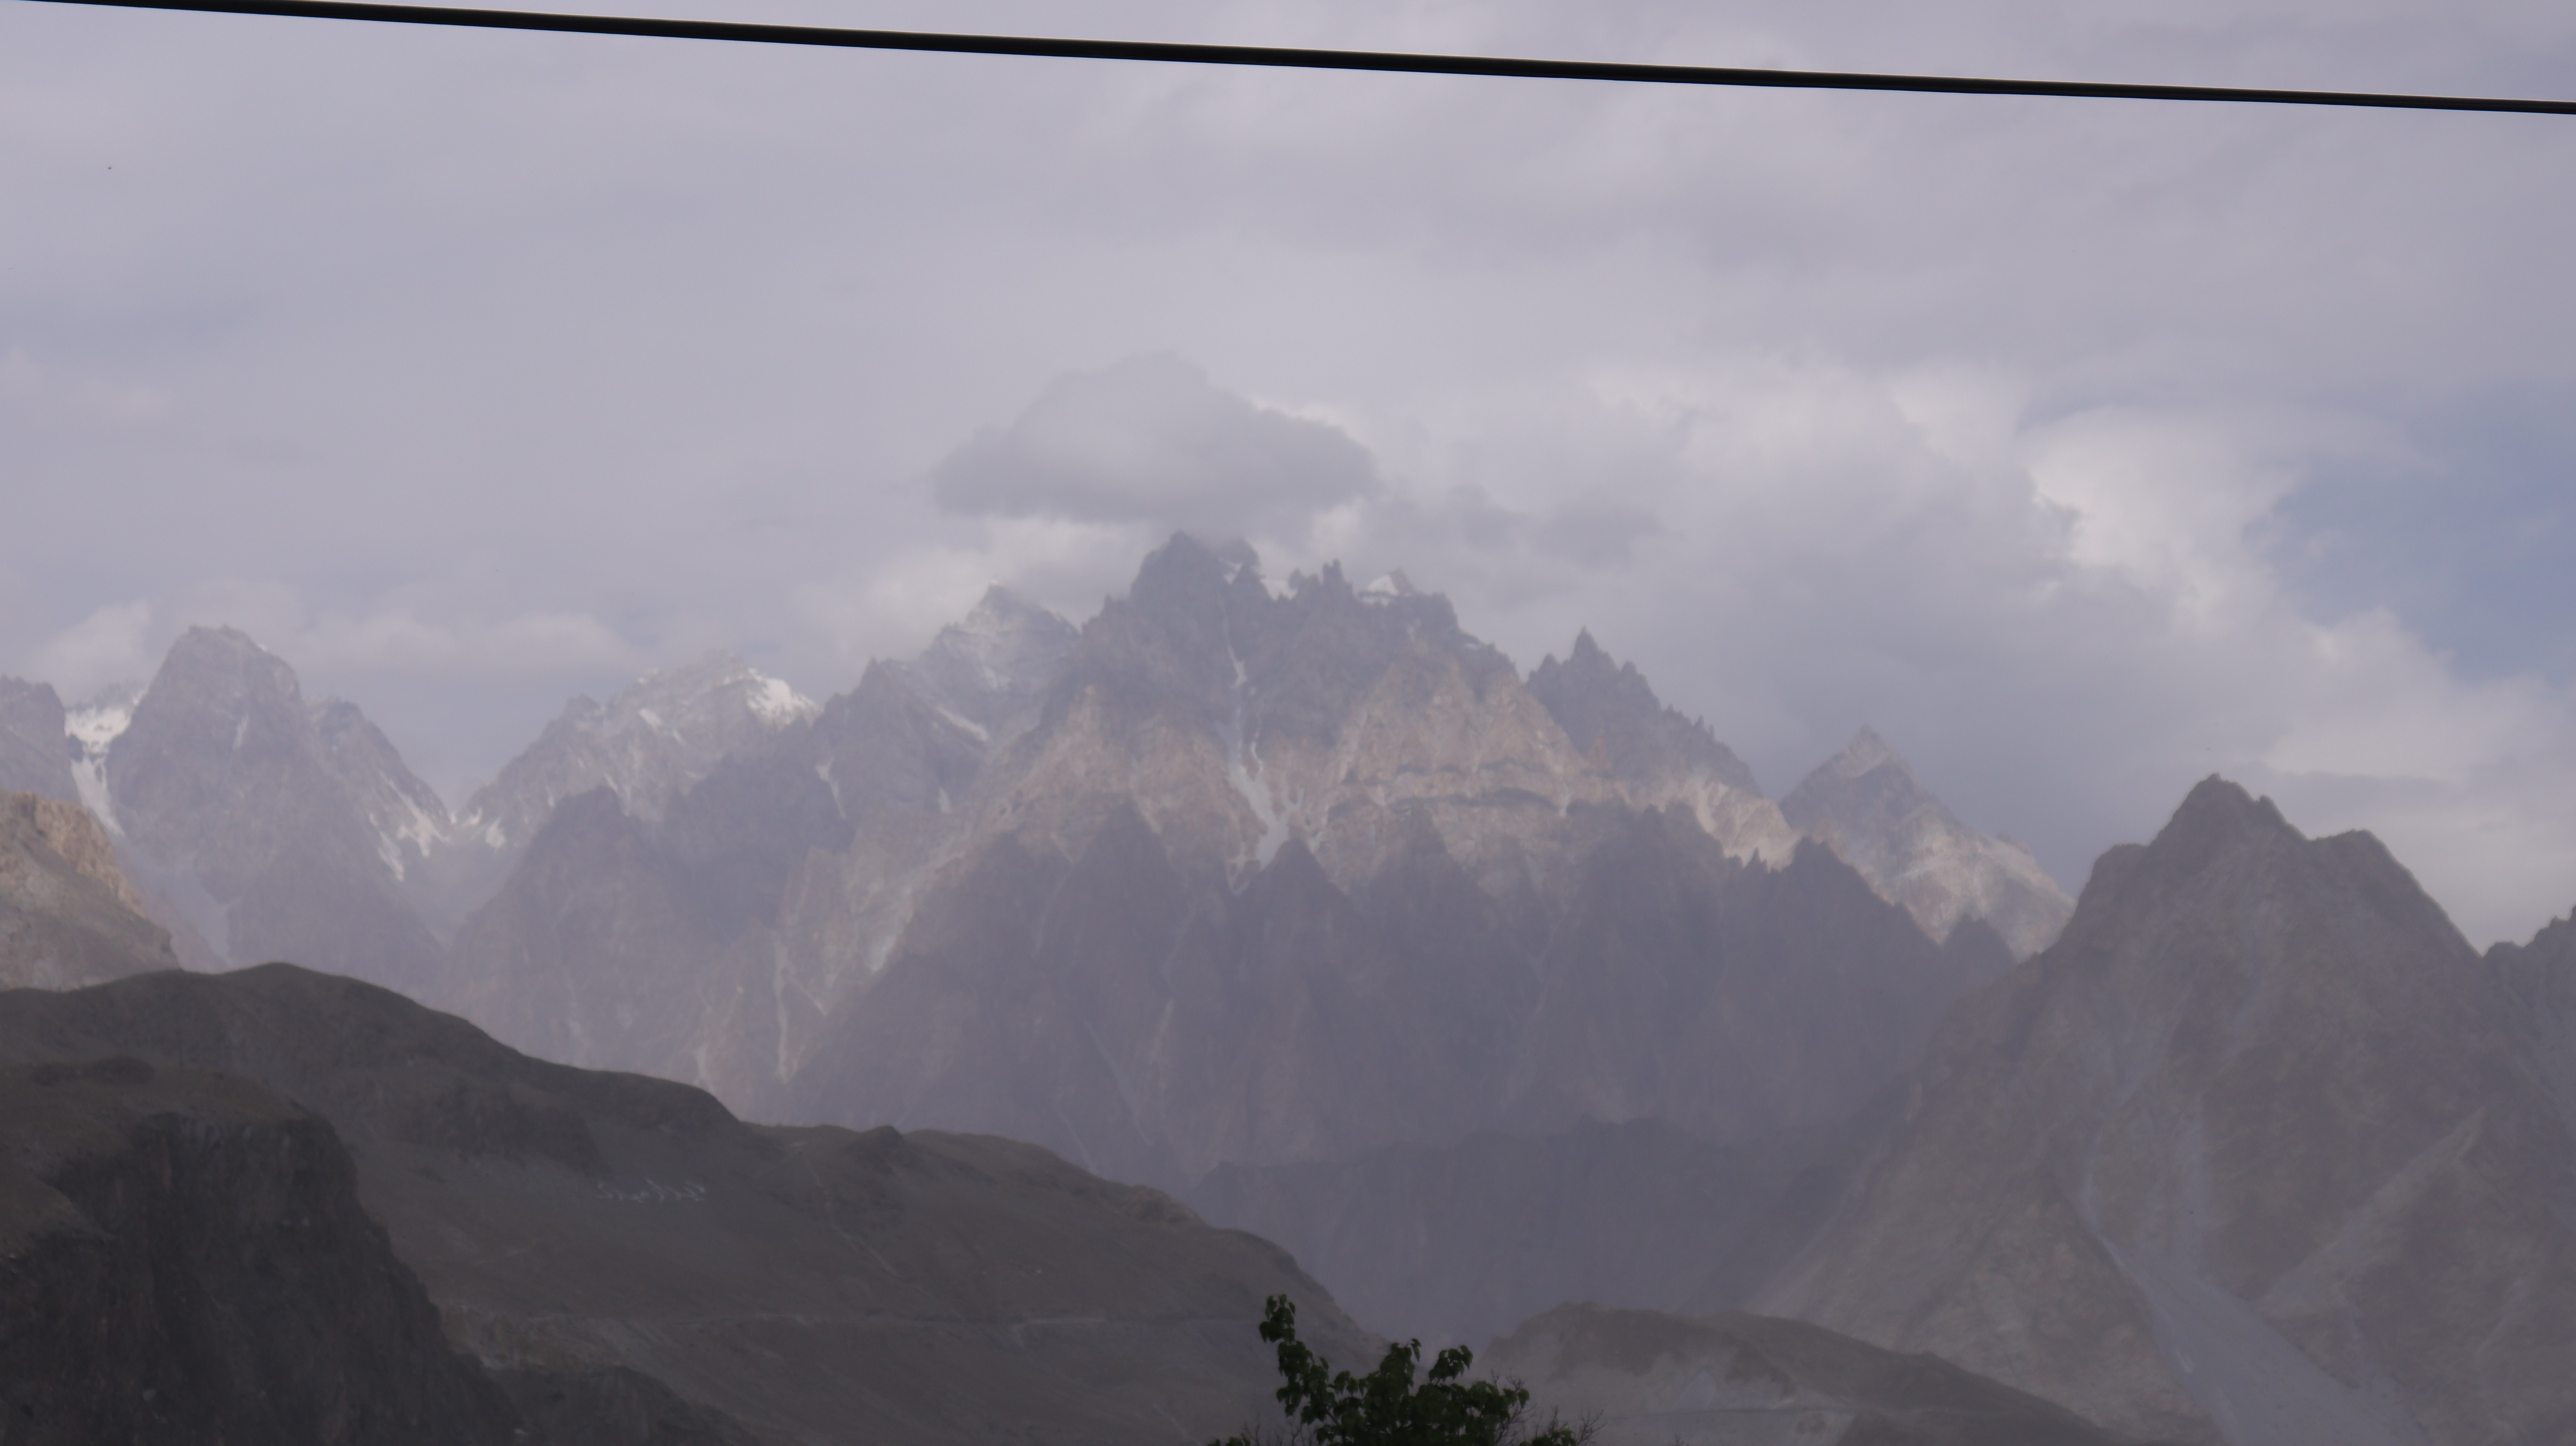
(601, 1247)
(183, 1259)
(575, 1258)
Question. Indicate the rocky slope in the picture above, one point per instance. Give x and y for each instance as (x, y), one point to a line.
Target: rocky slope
(68, 915)
(625, 1237)
(2258, 1151)
(1872, 810)
(1286, 876)
(1659, 757)
(2539, 981)
(187, 1261)
(256, 821)
(647, 746)
(1647, 1379)
(34, 757)
(737, 869)
(1232, 873)
(1458, 1244)
(644, 937)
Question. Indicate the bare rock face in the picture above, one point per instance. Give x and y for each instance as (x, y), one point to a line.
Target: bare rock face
(2259, 1151)
(2539, 978)
(646, 745)
(68, 915)
(187, 1262)
(913, 737)
(33, 758)
(1231, 873)
(637, 925)
(1661, 758)
(614, 1247)
(1285, 876)
(1732, 999)
(266, 825)
(1647, 1379)
(1869, 806)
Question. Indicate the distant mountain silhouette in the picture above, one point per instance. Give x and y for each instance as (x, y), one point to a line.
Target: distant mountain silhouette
(2259, 1151)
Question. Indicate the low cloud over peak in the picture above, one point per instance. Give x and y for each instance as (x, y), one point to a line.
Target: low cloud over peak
(1151, 439)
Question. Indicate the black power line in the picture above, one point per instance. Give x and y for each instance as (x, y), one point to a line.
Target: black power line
(1305, 59)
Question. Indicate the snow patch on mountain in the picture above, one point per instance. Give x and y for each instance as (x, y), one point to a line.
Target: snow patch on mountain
(92, 728)
(779, 705)
(649, 743)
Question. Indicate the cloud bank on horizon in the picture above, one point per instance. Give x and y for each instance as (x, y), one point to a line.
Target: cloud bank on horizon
(2086, 449)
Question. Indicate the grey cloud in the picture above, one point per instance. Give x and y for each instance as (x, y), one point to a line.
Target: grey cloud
(1151, 439)
(668, 336)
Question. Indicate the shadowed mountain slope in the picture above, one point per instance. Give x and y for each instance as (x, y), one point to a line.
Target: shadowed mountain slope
(35, 756)
(1283, 876)
(1228, 874)
(1458, 1244)
(2259, 1151)
(187, 1262)
(1650, 1379)
(1608, 710)
(270, 826)
(813, 1284)
(1138, 1016)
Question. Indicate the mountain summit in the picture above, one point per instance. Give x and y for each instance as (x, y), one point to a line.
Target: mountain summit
(2259, 1151)
(266, 824)
(1867, 804)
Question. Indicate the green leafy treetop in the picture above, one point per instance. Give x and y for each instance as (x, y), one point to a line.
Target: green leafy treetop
(1386, 1408)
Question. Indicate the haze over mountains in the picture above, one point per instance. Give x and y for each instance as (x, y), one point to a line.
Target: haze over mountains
(1481, 994)
(706, 876)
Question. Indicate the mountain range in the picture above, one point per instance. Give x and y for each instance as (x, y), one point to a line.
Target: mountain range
(290, 1207)
(712, 878)
(1299, 907)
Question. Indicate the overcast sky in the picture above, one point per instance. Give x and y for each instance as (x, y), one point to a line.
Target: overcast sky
(2085, 448)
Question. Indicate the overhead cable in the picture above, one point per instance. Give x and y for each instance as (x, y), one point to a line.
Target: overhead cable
(1295, 58)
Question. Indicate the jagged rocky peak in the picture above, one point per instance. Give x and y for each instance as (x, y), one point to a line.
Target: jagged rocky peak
(913, 736)
(1169, 647)
(1612, 714)
(1254, 713)
(1867, 790)
(32, 756)
(257, 824)
(1202, 639)
(1866, 802)
(408, 819)
(217, 696)
(648, 744)
(2257, 1151)
(171, 752)
(992, 665)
